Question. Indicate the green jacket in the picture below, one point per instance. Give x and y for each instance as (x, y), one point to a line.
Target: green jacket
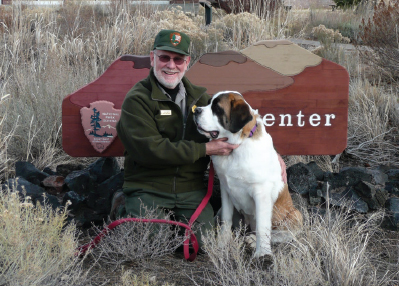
(161, 151)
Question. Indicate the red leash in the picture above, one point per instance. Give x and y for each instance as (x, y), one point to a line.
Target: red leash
(189, 233)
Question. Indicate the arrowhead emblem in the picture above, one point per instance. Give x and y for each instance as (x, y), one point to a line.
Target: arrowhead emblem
(99, 123)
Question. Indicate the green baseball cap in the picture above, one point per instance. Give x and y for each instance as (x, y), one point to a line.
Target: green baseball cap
(173, 41)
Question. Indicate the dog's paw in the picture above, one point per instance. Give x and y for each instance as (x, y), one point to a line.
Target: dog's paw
(263, 252)
(250, 240)
(264, 261)
(223, 239)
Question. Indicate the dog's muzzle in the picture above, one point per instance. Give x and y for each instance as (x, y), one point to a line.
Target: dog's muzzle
(197, 112)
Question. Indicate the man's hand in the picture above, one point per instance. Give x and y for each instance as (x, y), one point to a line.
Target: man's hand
(283, 169)
(220, 147)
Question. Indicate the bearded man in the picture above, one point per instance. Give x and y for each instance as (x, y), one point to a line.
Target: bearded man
(165, 155)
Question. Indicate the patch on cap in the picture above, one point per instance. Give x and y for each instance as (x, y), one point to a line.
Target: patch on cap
(172, 41)
(193, 108)
(175, 38)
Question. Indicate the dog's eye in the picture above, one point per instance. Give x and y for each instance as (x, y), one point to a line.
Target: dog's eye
(217, 110)
(209, 101)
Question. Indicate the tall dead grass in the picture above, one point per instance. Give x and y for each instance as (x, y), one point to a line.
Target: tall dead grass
(335, 248)
(36, 245)
(130, 278)
(5, 137)
(347, 22)
(373, 123)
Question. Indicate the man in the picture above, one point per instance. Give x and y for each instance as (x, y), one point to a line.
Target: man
(165, 155)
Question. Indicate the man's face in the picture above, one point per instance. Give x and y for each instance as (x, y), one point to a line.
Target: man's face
(169, 74)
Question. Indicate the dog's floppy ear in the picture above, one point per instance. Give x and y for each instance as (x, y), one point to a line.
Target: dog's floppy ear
(239, 114)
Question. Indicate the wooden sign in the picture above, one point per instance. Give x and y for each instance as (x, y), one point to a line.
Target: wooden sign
(302, 98)
(111, 86)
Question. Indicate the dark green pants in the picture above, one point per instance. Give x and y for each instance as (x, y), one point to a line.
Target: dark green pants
(182, 205)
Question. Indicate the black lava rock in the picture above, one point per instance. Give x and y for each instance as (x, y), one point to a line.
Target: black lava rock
(65, 169)
(29, 172)
(75, 199)
(301, 179)
(319, 173)
(79, 182)
(104, 168)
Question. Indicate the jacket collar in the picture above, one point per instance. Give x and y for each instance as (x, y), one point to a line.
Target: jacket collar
(193, 92)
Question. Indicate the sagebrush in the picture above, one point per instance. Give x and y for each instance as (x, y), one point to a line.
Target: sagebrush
(37, 247)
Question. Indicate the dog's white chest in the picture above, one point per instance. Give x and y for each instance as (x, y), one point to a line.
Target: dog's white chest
(245, 174)
(241, 195)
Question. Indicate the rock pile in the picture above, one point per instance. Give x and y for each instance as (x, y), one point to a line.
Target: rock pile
(90, 190)
(359, 189)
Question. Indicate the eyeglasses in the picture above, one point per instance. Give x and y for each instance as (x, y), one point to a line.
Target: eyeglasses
(166, 59)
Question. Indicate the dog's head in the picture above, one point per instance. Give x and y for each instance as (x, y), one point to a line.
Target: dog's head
(226, 113)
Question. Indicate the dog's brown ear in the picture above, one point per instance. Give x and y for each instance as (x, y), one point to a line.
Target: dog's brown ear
(240, 115)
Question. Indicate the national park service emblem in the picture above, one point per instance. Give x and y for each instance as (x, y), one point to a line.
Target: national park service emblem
(99, 123)
(175, 38)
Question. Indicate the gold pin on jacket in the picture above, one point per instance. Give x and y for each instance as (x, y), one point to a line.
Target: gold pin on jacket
(193, 108)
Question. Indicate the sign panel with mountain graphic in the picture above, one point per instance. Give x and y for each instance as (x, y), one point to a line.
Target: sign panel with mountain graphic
(302, 98)
(99, 124)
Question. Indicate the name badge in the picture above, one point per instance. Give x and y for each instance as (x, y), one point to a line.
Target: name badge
(166, 112)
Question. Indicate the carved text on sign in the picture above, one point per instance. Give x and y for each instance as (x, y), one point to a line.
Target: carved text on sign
(99, 123)
(286, 119)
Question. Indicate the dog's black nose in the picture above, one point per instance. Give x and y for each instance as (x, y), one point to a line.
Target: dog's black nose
(197, 111)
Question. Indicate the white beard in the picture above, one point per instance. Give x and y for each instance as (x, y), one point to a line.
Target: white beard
(163, 81)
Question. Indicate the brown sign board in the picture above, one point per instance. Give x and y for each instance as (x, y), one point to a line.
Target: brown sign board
(302, 98)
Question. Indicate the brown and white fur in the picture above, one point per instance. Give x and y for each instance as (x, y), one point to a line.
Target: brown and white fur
(250, 177)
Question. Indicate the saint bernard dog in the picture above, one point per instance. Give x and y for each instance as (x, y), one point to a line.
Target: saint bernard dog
(250, 177)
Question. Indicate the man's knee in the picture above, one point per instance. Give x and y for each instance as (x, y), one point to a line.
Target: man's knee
(134, 203)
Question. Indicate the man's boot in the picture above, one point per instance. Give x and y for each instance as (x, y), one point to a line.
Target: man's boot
(118, 204)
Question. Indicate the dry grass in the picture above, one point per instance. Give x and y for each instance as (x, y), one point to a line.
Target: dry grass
(302, 21)
(36, 245)
(380, 34)
(337, 248)
(138, 242)
(373, 121)
(333, 248)
(5, 137)
(129, 278)
(232, 263)
(347, 22)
